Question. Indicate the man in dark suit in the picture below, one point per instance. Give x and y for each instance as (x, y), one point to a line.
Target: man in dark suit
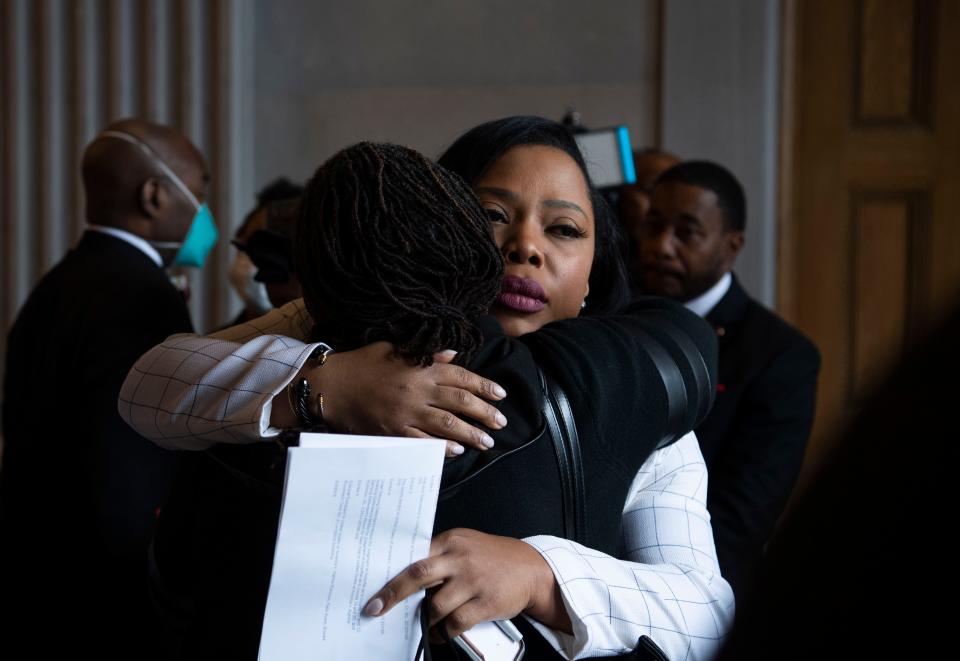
(754, 438)
(79, 489)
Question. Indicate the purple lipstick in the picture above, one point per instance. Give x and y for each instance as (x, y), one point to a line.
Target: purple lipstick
(521, 294)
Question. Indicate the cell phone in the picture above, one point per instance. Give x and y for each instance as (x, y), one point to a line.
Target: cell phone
(492, 641)
(608, 155)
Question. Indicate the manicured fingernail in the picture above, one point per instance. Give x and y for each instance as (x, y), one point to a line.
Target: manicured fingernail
(487, 441)
(501, 419)
(373, 607)
(456, 449)
(448, 353)
(498, 391)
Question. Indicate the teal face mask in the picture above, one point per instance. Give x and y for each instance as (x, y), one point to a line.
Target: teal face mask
(202, 235)
(200, 239)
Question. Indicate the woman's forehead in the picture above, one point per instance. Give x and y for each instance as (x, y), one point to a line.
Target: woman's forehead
(540, 171)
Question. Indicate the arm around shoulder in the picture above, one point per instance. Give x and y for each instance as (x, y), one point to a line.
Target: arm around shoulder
(190, 391)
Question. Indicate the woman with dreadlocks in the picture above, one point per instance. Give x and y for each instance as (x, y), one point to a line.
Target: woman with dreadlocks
(645, 500)
(399, 250)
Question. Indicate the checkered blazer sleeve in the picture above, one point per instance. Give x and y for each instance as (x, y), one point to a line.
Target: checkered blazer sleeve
(191, 392)
(668, 585)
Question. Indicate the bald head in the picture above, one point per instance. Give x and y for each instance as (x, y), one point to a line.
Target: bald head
(635, 198)
(126, 187)
(650, 164)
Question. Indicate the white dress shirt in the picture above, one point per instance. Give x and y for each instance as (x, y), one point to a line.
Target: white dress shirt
(192, 392)
(134, 240)
(708, 300)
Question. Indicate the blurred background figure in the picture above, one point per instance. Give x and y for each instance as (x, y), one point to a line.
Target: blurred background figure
(633, 202)
(861, 565)
(79, 489)
(271, 252)
(649, 163)
(272, 248)
(754, 438)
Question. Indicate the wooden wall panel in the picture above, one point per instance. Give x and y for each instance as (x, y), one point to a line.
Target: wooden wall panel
(51, 170)
(894, 56)
(17, 169)
(886, 59)
(86, 98)
(944, 270)
(881, 274)
(157, 62)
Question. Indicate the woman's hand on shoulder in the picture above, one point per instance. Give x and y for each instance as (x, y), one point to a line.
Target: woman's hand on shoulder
(481, 578)
(372, 391)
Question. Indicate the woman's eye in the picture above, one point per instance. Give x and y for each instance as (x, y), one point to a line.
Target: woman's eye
(496, 216)
(568, 231)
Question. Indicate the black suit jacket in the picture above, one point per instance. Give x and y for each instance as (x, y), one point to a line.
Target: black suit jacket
(79, 489)
(754, 438)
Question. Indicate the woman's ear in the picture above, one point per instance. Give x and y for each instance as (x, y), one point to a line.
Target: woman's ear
(151, 198)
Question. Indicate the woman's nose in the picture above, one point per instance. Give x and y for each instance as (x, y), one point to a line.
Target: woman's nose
(523, 247)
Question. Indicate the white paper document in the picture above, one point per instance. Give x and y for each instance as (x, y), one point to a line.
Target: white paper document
(356, 511)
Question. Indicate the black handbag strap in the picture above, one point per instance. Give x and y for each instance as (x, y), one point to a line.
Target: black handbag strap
(673, 383)
(701, 388)
(562, 429)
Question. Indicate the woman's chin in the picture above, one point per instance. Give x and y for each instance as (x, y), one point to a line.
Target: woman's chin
(516, 323)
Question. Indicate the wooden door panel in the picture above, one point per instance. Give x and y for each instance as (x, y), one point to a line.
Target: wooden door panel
(893, 61)
(886, 295)
(945, 195)
(871, 227)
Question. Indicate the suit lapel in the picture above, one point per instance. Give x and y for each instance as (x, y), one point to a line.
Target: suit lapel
(725, 318)
(730, 310)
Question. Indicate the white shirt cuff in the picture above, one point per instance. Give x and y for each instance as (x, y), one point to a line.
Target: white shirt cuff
(266, 409)
(568, 646)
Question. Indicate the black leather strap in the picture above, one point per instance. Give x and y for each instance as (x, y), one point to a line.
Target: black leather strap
(562, 429)
(705, 388)
(674, 385)
(647, 650)
(702, 388)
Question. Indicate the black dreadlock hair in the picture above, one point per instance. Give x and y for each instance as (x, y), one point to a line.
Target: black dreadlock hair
(391, 246)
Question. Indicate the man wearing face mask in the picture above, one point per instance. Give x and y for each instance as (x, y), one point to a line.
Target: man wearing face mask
(79, 489)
